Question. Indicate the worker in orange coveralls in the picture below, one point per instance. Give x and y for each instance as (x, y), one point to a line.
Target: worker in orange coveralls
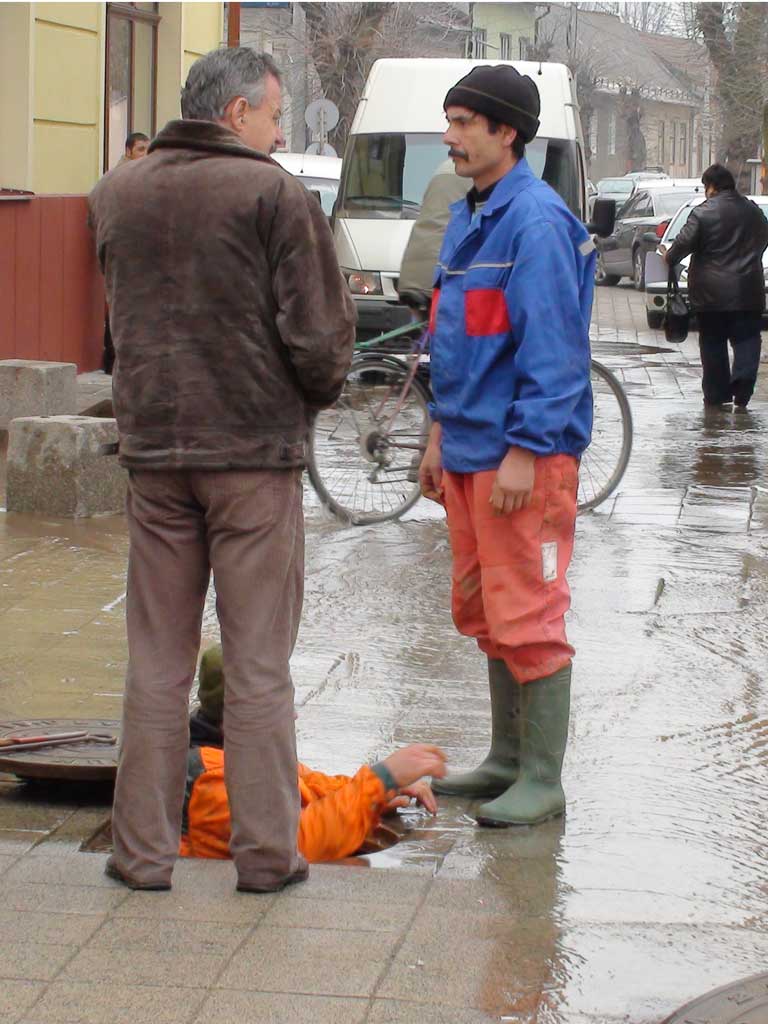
(338, 812)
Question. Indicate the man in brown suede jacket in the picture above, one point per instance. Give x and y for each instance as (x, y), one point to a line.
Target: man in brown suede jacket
(232, 324)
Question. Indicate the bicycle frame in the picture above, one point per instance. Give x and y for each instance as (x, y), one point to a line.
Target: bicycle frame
(417, 350)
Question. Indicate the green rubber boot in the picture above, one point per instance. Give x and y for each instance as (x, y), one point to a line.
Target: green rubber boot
(537, 794)
(499, 770)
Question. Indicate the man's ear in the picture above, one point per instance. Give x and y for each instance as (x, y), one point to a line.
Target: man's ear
(510, 134)
(235, 111)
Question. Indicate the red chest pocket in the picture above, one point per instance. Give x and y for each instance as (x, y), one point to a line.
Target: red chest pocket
(433, 310)
(485, 312)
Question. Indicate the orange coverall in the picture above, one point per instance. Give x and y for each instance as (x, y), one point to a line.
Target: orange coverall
(337, 811)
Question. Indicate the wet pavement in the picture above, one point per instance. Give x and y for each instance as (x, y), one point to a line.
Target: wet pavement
(649, 893)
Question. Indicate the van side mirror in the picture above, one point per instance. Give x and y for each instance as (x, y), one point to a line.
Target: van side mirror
(603, 218)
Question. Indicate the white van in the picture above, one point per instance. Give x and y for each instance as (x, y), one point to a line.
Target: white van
(395, 146)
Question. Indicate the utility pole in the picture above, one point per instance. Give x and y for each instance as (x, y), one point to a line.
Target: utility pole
(233, 24)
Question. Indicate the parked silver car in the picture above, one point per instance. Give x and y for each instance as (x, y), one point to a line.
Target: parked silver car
(656, 291)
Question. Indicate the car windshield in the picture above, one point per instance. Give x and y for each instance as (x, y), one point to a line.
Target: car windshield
(667, 203)
(621, 186)
(327, 187)
(385, 176)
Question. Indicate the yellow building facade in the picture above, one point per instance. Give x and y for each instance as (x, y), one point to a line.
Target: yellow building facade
(76, 78)
(502, 31)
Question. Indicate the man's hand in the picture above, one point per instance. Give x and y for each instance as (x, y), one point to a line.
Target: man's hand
(409, 764)
(513, 485)
(420, 791)
(431, 468)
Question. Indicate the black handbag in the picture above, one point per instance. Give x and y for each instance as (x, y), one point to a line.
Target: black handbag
(677, 315)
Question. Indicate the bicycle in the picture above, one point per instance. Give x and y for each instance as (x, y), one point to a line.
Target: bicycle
(365, 451)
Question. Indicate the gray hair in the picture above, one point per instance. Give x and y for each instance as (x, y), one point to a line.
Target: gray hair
(221, 75)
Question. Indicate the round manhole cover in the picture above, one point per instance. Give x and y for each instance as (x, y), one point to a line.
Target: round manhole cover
(743, 1002)
(77, 760)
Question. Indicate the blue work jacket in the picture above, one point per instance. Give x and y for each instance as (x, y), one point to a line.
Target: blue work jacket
(510, 327)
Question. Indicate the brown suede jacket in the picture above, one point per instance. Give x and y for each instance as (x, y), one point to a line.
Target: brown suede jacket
(230, 317)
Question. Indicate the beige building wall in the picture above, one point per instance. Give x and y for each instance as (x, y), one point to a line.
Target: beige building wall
(16, 36)
(203, 31)
(52, 68)
(68, 89)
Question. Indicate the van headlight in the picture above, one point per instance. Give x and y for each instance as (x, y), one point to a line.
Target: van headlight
(363, 282)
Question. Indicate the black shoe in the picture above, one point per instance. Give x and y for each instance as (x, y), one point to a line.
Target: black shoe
(298, 876)
(113, 871)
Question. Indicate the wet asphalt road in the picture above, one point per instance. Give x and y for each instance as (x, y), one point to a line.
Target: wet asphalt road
(653, 888)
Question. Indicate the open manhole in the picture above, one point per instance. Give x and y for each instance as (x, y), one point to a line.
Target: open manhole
(85, 760)
(382, 838)
(742, 1002)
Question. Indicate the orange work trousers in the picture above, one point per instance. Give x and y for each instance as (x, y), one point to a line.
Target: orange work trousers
(509, 587)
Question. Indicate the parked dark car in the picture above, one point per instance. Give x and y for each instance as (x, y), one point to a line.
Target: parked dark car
(622, 254)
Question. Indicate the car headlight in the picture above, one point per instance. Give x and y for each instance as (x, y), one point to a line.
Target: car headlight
(363, 282)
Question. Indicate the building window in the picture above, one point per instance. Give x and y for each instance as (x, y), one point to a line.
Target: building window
(612, 134)
(505, 46)
(673, 142)
(131, 75)
(683, 142)
(700, 153)
(662, 143)
(524, 46)
(477, 45)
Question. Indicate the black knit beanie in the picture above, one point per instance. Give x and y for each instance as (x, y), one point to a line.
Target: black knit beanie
(502, 94)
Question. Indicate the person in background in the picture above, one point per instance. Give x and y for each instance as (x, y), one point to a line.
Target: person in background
(338, 812)
(512, 413)
(417, 271)
(725, 236)
(136, 147)
(232, 325)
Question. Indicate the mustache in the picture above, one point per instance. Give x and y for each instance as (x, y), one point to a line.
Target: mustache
(458, 152)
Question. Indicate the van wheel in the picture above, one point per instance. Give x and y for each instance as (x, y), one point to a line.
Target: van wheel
(601, 277)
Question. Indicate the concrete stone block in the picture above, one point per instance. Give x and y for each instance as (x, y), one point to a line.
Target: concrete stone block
(55, 466)
(33, 387)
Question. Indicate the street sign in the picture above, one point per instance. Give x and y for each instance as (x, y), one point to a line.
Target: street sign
(321, 117)
(321, 149)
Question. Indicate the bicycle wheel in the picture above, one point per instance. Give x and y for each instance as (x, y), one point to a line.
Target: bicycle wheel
(365, 451)
(604, 462)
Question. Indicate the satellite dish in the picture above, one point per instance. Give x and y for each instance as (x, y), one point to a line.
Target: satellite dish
(321, 149)
(321, 117)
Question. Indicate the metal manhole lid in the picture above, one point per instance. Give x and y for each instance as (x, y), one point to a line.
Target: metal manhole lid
(742, 1002)
(77, 760)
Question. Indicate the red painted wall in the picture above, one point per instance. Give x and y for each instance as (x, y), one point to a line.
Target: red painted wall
(51, 289)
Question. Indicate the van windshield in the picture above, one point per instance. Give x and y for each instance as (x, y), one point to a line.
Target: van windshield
(385, 176)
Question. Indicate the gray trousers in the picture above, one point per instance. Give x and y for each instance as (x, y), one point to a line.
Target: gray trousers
(248, 528)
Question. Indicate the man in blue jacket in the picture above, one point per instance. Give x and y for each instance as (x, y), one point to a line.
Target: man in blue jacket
(511, 417)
